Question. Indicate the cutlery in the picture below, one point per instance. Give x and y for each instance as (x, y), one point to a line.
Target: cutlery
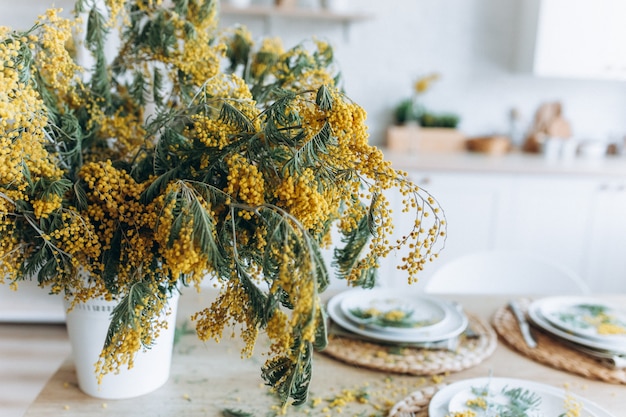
(523, 324)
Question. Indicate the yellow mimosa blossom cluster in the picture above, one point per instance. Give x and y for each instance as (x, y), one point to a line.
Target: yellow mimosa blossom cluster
(573, 407)
(611, 328)
(302, 197)
(423, 83)
(466, 413)
(123, 130)
(230, 309)
(140, 331)
(245, 184)
(26, 165)
(269, 52)
(54, 61)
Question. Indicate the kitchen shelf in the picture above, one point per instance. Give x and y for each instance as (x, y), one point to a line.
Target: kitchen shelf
(269, 13)
(293, 12)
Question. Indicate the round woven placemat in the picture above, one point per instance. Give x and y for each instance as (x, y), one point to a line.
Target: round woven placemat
(550, 351)
(416, 403)
(416, 361)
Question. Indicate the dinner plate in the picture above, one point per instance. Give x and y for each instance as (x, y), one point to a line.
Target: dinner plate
(586, 317)
(535, 316)
(390, 310)
(455, 323)
(453, 397)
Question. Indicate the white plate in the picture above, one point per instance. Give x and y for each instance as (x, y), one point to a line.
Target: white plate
(580, 316)
(453, 397)
(424, 312)
(534, 313)
(454, 325)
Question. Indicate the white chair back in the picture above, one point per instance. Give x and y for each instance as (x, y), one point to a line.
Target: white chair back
(505, 272)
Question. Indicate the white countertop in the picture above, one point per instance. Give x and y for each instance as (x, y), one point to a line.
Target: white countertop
(512, 163)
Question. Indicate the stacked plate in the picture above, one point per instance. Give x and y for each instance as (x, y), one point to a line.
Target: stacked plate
(590, 325)
(503, 396)
(395, 316)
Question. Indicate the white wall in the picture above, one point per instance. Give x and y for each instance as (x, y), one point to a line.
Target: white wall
(472, 43)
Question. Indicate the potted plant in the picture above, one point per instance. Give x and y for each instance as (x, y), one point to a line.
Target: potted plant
(162, 167)
(419, 129)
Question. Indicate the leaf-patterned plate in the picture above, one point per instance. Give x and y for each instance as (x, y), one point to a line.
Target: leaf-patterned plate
(507, 396)
(453, 325)
(586, 317)
(392, 310)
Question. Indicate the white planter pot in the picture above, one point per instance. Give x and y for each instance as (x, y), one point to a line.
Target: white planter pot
(87, 325)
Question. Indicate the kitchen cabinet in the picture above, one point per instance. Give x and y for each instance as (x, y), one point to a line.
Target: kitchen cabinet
(549, 215)
(578, 221)
(472, 203)
(573, 38)
(606, 258)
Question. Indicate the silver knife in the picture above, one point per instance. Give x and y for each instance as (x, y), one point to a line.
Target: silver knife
(523, 324)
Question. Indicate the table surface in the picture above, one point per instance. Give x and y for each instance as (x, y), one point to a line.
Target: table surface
(209, 377)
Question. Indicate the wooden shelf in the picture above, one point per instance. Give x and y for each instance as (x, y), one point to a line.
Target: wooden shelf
(292, 12)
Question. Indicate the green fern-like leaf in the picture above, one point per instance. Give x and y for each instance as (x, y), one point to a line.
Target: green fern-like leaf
(232, 115)
(158, 185)
(204, 232)
(80, 197)
(258, 300)
(321, 331)
(58, 187)
(111, 260)
(308, 154)
(291, 378)
(139, 88)
(123, 314)
(157, 87)
(347, 257)
(323, 98)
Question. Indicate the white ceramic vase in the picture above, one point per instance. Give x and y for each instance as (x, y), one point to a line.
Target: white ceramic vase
(87, 326)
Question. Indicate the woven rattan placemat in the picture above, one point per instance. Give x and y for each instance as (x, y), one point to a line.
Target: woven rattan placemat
(550, 351)
(416, 403)
(417, 361)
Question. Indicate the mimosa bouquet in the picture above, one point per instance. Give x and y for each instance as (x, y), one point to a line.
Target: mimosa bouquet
(192, 154)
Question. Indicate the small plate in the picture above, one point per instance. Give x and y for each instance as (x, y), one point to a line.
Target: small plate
(537, 318)
(586, 317)
(453, 397)
(390, 310)
(456, 322)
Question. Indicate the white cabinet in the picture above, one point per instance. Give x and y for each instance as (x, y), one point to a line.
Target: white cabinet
(550, 216)
(573, 38)
(472, 205)
(577, 220)
(606, 257)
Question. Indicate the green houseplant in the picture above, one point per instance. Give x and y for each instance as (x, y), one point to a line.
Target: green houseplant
(412, 110)
(416, 128)
(191, 155)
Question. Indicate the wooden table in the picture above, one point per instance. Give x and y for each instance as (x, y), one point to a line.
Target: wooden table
(209, 377)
